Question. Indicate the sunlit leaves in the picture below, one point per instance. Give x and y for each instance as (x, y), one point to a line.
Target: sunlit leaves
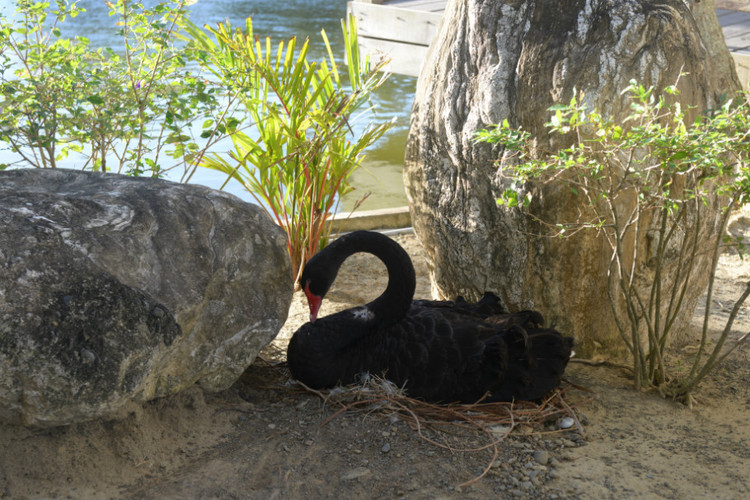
(301, 151)
(651, 148)
(655, 183)
(171, 91)
(118, 108)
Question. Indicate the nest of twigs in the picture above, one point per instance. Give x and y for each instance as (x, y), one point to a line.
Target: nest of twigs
(496, 421)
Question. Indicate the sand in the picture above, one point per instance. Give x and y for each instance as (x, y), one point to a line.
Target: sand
(264, 438)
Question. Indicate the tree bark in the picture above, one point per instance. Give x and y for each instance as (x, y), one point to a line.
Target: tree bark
(514, 59)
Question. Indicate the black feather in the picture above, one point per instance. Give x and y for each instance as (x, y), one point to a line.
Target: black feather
(440, 351)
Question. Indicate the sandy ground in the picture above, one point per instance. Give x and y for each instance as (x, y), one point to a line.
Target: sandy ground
(266, 439)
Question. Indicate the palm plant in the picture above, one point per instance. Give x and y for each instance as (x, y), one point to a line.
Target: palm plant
(296, 156)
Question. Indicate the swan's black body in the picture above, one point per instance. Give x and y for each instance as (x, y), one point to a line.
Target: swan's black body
(439, 351)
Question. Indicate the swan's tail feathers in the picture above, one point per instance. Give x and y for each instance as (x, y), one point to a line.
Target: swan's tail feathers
(488, 306)
(524, 319)
(536, 362)
(495, 360)
(515, 379)
(551, 353)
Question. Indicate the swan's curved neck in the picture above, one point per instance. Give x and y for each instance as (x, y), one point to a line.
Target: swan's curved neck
(396, 300)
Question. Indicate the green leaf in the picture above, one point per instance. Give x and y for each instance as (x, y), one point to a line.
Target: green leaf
(95, 99)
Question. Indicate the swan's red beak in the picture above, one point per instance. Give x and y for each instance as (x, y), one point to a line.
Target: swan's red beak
(313, 301)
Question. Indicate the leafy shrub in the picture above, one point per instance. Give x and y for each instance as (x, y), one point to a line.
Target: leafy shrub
(135, 109)
(132, 106)
(653, 173)
(297, 160)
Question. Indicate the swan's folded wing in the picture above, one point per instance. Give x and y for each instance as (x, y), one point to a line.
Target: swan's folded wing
(442, 356)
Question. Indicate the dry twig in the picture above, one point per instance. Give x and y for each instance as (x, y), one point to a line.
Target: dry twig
(379, 396)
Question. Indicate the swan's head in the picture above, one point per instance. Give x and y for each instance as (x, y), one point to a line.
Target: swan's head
(313, 301)
(315, 281)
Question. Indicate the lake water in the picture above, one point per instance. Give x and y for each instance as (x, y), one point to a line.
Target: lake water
(380, 173)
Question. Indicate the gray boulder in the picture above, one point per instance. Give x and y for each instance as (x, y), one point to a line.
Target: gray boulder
(117, 289)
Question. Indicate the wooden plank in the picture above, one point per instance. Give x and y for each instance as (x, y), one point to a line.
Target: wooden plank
(734, 18)
(736, 33)
(720, 13)
(739, 44)
(391, 23)
(406, 59)
(424, 5)
(742, 64)
(736, 30)
(427, 5)
(733, 5)
(403, 29)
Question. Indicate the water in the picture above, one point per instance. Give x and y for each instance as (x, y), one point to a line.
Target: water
(380, 173)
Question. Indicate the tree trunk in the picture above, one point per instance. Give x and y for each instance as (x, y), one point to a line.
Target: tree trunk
(514, 59)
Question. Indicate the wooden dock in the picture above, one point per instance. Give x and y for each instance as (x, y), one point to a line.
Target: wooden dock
(402, 30)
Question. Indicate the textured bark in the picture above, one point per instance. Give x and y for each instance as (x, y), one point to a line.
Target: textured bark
(117, 289)
(514, 59)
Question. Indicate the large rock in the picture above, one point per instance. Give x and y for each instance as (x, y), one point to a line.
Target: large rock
(514, 59)
(116, 288)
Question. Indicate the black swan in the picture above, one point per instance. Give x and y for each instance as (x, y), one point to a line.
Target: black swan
(439, 351)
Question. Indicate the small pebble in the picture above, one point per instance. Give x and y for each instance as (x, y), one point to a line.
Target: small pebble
(87, 356)
(567, 423)
(356, 474)
(500, 429)
(386, 448)
(567, 455)
(525, 430)
(541, 457)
